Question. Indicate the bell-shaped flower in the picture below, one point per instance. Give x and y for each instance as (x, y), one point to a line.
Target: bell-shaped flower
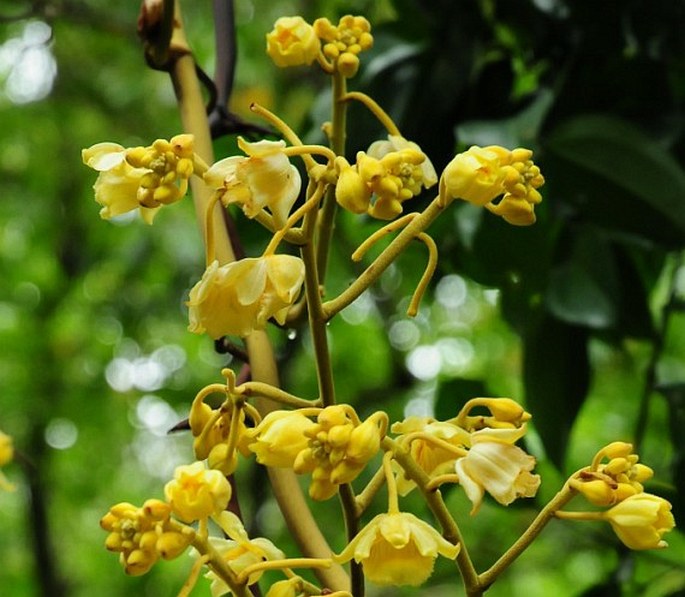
(239, 551)
(398, 549)
(197, 492)
(502, 469)
(641, 520)
(263, 179)
(279, 437)
(292, 42)
(238, 298)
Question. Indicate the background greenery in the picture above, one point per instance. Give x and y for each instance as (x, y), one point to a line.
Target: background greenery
(580, 316)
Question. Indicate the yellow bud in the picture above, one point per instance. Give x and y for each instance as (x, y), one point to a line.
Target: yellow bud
(597, 492)
(331, 416)
(172, 544)
(641, 472)
(139, 562)
(344, 472)
(348, 64)
(183, 145)
(156, 509)
(617, 450)
(340, 435)
(218, 459)
(351, 191)
(198, 417)
(365, 441)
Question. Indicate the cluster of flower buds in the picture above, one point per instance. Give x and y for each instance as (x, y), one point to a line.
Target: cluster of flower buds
(141, 535)
(639, 519)
(294, 42)
(142, 178)
(386, 175)
(482, 174)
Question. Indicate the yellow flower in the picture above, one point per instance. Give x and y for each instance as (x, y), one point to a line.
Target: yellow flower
(239, 297)
(338, 449)
(142, 535)
(265, 178)
(351, 191)
(641, 520)
(280, 437)
(142, 177)
(345, 41)
(398, 549)
(292, 42)
(239, 551)
(432, 458)
(501, 469)
(196, 492)
(475, 175)
(6, 456)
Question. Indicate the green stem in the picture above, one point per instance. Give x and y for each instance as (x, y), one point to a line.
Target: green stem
(349, 507)
(328, 211)
(450, 529)
(546, 514)
(381, 263)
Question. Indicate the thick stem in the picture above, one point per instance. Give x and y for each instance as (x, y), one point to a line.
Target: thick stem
(263, 365)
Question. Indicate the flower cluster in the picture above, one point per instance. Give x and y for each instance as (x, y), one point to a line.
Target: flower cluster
(639, 519)
(386, 175)
(6, 456)
(334, 449)
(479, 449)
(481, 174)
(294, 42)
(141, 535)
(142, 178)
(239, 297)
(197, 492)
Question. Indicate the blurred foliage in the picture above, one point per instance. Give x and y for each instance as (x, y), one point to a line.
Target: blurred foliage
(580, 316)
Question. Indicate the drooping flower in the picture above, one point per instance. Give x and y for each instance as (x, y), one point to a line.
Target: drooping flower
(239, 297)
(640, 521)
(197, 492)
(142, 178)
(292, 42)
(263, 179)
(239, 551)
(502, 469)
(398, 549)
(279, 437)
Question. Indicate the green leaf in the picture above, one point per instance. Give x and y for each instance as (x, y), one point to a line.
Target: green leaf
(617, 175)
(556, 374)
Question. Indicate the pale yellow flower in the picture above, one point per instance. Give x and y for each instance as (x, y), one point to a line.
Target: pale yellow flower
(641, 520)
(351, 191)
(197, 492)
(292, 42)
(279, 437)
(398, 549)
(264, 179)
(500, 468)
(239, 551)
(238, 298)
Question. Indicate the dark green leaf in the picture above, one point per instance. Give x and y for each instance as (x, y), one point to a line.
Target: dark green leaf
(556, 374)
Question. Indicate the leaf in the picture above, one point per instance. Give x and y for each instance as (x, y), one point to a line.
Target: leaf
(556, 374)
(620, 177)
(675, 396)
